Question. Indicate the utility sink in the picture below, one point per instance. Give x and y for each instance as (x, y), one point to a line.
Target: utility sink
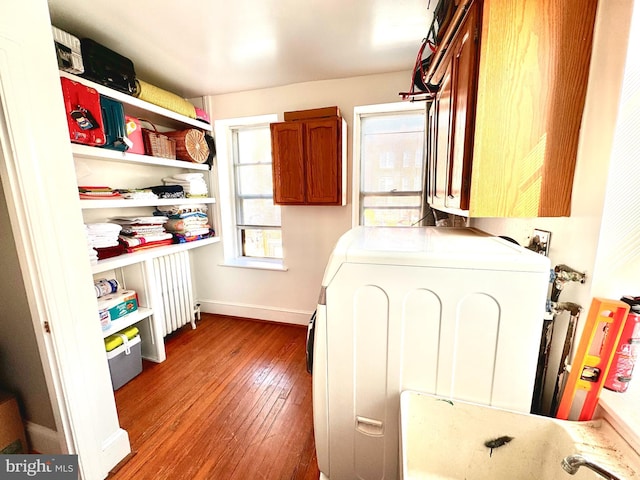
(455, 440)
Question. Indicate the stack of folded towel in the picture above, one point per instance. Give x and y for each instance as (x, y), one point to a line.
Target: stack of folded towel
(103, 239)
(143, 232)
(194, 184)
(168, 191)
(98, 193)
(186, 222)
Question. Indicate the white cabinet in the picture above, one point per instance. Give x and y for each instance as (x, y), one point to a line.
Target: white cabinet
(122, 170)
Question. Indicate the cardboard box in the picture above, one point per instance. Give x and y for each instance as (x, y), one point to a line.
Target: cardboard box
(12, 436)
(117, 305)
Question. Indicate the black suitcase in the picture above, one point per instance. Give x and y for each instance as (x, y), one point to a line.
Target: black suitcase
(114, 124)
(106, 67)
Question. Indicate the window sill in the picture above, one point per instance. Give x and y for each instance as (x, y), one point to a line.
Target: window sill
(620, 410)
(273, 265)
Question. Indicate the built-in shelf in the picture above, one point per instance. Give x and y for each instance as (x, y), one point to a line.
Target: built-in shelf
(129, 319)
(142, 255)
(99, 153)
(141, 109)
(124, 203)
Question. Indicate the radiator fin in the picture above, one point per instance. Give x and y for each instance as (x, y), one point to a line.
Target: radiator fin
(173, 278)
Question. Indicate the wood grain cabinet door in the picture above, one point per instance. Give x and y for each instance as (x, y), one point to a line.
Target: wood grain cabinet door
(463, 98)
(287, 147)
(432, 129)
(323, 172)
(443, 138)
(307, 161)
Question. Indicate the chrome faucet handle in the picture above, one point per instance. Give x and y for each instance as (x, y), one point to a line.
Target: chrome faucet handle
(571, 464)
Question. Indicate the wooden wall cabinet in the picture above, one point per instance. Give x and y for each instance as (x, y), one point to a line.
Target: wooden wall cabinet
(309, 161)
(451, 120)
(505, 123)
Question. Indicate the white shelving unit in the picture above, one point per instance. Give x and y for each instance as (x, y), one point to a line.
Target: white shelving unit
(137, 257)
(139, 108)
(129, 319)
(123, 203)
(96, 153)
(135, 270)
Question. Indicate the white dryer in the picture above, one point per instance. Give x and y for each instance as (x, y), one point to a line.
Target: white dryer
(454, 312)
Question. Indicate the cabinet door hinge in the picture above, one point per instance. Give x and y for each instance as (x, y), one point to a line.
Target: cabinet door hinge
(47, 328)
(475, 35)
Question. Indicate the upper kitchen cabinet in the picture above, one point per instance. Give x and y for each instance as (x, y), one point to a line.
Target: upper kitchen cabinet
(309, 158)
(505, 121)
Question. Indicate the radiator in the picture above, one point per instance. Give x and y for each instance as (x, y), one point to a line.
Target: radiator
(173, 278)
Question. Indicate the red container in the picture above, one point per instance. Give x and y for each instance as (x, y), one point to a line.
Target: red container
(84, 114)
(626, 354)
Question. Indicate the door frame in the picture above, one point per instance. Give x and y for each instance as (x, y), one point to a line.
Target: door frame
(39, 181)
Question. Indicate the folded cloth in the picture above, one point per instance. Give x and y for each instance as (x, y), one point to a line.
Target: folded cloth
(88, 192)
(94, 188)
(169, 210)
(193, 186)
(149, 245)
(194, 232)
(107, 227)
(143, 232)
(100, 196)
(138, 194)
(177, 224)
(110, 251)
(136, 241)
(153, 220)
(168, 191)
(180, 238)
(105, 243)
(187, 176)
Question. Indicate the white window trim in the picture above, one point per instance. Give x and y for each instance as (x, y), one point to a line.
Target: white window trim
(224, 147)
(358, 113)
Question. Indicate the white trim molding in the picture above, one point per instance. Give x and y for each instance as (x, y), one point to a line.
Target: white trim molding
(358, 113)
(257, 312)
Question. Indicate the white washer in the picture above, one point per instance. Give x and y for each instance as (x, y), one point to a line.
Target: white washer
(454, 312)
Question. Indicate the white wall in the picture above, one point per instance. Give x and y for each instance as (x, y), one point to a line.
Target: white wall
(617, 269)
(309, 232)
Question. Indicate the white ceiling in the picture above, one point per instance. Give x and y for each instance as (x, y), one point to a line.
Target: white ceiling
(200, 47)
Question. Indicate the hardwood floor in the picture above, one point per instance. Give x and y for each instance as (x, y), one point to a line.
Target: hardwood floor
(232, 401)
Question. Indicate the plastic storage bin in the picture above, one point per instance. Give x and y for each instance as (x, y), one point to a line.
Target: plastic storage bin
(125, 362)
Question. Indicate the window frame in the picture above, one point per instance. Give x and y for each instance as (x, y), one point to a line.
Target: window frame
(359, 112)
(231, 241)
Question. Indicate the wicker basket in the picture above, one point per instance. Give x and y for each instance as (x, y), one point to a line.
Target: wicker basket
(190, 145)
(157, 144)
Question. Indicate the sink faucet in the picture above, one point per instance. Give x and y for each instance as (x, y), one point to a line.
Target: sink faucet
(572, 463)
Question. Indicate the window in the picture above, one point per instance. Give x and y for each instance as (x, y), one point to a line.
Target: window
(388, 147)
(257, 218)
(252, 234)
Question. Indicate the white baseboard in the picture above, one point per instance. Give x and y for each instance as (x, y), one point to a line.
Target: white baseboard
(258, 312)
(42, 439)
(114, 450)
